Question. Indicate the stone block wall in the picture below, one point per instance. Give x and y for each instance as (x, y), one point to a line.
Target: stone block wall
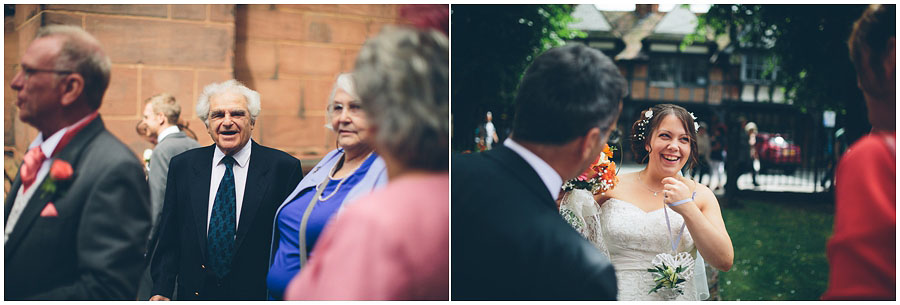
(290, 54)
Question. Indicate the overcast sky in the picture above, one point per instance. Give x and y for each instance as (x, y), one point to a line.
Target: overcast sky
(664, 7)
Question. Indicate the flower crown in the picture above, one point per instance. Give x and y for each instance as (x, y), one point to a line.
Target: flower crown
(642, 125)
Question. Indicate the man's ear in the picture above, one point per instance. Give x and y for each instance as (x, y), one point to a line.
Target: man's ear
(590, 141)
(72, 86)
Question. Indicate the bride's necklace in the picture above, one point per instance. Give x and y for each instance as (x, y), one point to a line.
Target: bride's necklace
(331, 177)
(655, 193)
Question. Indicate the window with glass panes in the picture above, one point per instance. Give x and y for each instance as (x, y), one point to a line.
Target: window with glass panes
(678, 70)
(754, 67)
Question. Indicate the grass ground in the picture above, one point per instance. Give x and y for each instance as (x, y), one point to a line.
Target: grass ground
(779, 248)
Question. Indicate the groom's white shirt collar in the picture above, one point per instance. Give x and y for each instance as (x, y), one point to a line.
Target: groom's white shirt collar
(548, 175)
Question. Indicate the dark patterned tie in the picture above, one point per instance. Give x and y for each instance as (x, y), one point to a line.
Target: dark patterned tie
(220, 239)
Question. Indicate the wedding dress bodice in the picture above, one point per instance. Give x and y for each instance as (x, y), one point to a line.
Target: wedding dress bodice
(631, 238)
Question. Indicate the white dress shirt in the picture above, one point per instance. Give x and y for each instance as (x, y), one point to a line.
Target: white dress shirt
(169, 130)
(548, 175)
(241, 165)
(22, 197)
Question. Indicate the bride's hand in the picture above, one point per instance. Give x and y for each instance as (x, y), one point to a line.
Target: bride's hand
(675, 190)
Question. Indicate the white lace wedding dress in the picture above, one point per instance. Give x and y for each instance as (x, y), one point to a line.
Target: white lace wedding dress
(631, 238)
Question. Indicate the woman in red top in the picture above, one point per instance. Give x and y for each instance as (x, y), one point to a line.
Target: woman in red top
(862, 251)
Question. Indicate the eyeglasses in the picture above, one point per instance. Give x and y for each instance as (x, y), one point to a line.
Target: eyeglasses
(353, 108)
(614, 137)
(28, 72)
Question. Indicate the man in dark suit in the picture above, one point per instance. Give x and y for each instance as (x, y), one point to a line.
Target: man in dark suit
(509, 241)
(78, 213)
(216, 226)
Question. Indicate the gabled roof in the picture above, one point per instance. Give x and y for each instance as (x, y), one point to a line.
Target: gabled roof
(680, 21)
(588, 18)
(634, 31)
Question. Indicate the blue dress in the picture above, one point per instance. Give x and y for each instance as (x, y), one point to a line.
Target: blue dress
(286, 262)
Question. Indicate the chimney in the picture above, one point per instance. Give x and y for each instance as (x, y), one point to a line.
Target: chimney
(642, 10)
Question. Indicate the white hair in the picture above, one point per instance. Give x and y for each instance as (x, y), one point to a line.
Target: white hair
(343, 82)
(253, 103)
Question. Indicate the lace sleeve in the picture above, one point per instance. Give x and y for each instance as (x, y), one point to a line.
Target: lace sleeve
(580, 210)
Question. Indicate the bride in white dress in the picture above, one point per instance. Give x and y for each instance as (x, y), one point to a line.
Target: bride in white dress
(635, 222)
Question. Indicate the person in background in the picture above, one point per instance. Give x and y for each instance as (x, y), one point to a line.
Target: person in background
(394, 243)
(352, 170)
(703, 152)
(77, 215)
(753, 165)
(862, 252)
(161, 115)
(716, 158)
(490, 132)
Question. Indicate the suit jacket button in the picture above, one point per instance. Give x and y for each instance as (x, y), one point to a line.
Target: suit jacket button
(196, 293)
(202, 266)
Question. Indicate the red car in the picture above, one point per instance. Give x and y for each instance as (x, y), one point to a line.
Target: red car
(776, 152)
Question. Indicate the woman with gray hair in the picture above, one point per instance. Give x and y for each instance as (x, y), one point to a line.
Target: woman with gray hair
(351, 170)
(394, 244)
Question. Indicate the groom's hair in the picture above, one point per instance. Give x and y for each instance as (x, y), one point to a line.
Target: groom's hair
(564, 93)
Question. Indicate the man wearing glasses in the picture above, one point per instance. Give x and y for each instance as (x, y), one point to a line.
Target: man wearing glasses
(78, 214)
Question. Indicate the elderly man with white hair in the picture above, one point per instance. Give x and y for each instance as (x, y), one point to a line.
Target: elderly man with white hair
(215, 228)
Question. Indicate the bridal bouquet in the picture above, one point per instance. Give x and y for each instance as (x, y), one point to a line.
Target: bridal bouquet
(577, 205)
(599, 178)
(670, 272)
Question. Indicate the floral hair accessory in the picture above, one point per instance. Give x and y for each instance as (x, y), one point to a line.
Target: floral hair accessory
(696, 125)
(642, 125)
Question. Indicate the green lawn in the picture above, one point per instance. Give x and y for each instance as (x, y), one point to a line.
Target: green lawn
(779, 250)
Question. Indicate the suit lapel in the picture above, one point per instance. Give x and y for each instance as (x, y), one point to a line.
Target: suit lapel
(254, 190)
(522, 171)
(70, 153)
(199, 196)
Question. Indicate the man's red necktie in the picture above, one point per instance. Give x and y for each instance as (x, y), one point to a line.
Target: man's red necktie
(33, 160)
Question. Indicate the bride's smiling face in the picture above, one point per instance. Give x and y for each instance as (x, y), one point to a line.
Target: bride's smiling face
(669, 146)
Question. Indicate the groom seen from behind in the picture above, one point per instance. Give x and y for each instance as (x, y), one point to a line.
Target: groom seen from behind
(508, 240)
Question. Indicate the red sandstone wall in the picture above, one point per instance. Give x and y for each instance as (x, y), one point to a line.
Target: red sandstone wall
(289, 53)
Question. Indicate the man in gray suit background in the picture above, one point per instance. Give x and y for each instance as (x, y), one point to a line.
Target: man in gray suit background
(161, 113)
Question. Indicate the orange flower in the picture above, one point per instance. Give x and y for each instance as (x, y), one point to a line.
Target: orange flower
(60, 170)
(608, 151)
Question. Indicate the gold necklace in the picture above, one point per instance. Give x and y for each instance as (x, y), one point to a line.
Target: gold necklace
(655, 193)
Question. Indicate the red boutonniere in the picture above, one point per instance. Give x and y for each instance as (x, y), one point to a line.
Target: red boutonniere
(59, 177)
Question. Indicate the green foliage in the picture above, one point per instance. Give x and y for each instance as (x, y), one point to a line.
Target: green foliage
(492, 46)
(779, 250)
(810, 47)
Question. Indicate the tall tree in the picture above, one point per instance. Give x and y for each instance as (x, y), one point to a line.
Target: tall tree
(810, 45)
(492, 45)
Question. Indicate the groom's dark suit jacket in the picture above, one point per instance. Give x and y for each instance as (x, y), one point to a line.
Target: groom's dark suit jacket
(181, 249)
(509, 241)
(93, 249)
